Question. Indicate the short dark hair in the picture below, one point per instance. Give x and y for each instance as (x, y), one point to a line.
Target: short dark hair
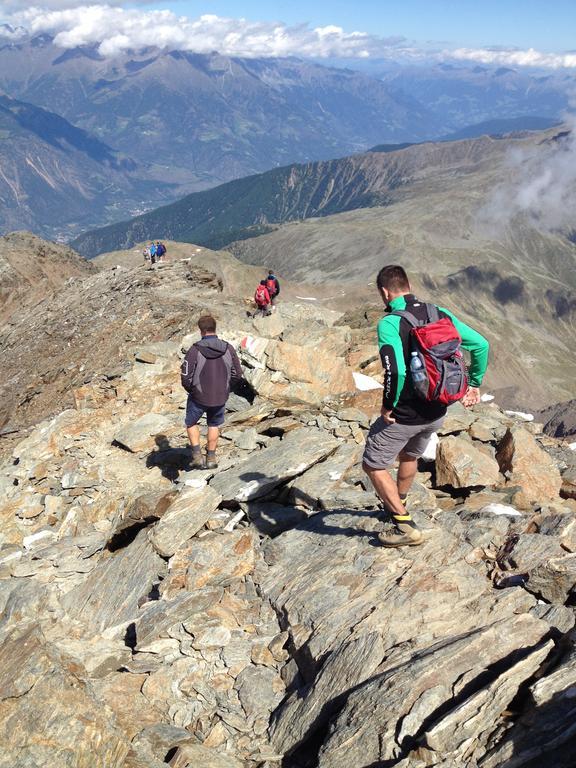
(207, 324)
(394, 278)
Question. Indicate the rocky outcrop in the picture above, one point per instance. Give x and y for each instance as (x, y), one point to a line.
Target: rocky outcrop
(247, 616)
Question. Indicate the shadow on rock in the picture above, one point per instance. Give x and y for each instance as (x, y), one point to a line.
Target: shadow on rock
(170, 460)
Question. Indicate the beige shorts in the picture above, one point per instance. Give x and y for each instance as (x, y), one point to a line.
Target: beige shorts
(385, 441)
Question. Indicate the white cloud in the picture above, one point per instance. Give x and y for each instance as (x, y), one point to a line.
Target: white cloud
(515, 58)
(116, 29)
(540, 185)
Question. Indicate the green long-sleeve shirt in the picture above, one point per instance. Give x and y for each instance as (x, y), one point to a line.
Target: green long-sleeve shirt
(393, 342)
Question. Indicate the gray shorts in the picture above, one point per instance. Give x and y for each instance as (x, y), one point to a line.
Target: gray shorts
(385, 441)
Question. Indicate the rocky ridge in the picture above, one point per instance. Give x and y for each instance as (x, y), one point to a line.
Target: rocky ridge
(152, 615)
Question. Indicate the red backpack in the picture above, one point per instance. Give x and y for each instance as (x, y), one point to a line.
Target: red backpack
(262, 297)
(271, 285)
(436, 366)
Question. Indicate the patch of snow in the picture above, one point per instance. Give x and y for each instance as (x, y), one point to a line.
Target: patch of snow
(572, 446)
(365, 383)
(430, 450)
(501, 509)
(520, 415)
(486, 398)
(195, 482)
(307, 298)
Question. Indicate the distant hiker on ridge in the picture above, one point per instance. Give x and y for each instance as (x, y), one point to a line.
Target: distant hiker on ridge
(273, 287)
(262, 299)
(160, 250)
(207, 370)
(424, 372)
(152, 251)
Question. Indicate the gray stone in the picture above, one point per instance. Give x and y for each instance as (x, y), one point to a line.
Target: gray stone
(392, 708)
(261, 472)
(139, 435)
(324, 477)
(185, 516)
(355, 415)
(461, 465)
(158, 616)
(38, 686)
(111, 592)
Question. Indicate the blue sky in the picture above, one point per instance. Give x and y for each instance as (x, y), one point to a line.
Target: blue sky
(546, 25)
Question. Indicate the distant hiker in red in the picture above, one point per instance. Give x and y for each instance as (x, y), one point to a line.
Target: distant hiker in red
(273, 287)
(262, 299)
(207, 371)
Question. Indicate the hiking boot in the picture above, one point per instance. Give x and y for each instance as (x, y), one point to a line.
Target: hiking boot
(401, 535)
(211, 462)
(197, 460)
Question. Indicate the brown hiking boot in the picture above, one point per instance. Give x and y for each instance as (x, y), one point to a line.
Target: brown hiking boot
(401, 535)
(211, 462)
(197, 460)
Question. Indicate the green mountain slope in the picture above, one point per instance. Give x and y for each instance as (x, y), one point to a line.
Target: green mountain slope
(253, 205)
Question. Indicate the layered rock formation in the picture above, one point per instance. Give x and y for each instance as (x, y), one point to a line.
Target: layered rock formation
(246, 617)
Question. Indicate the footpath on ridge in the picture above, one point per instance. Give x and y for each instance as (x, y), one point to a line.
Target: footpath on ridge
(246, 617)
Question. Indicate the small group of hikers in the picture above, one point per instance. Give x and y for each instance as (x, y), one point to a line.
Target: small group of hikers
(267, 291)
(424, 372)
(155, 252)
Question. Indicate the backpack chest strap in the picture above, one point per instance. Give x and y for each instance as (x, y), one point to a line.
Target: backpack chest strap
(431, 311)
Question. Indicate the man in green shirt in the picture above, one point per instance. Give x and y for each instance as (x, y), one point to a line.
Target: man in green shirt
(407, 422)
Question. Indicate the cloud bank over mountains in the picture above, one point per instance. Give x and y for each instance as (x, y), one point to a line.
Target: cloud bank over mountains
(114, 29)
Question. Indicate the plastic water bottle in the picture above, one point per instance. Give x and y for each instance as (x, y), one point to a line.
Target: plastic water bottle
(416, 368)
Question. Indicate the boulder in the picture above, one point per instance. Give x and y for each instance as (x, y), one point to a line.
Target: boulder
(49, 713)
(111, 592)
(185, 516)
(263, 471)
(319, 481)
(461, 465)
(382, 718)
(139, 435)
(528, 465)
(324, 373)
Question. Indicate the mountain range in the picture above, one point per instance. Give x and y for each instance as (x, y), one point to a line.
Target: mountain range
(184, 122)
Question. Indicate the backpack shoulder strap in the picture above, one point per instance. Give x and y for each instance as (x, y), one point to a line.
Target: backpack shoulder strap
(408, 316)
(433, 314)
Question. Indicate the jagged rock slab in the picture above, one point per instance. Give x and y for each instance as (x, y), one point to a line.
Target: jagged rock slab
(159, 615)
(544, 734)
(146, 507)
(187, 514)
(460, 737)
(325, 373)
(49, 715)
(461, 465)
(319, 481)
(110, 594)
(220, 559)
(263, 471)
(333, 586)
(529, 466)
(139, 435)
(390, 711)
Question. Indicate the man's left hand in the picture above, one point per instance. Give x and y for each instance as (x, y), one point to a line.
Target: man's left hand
(471, 397)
